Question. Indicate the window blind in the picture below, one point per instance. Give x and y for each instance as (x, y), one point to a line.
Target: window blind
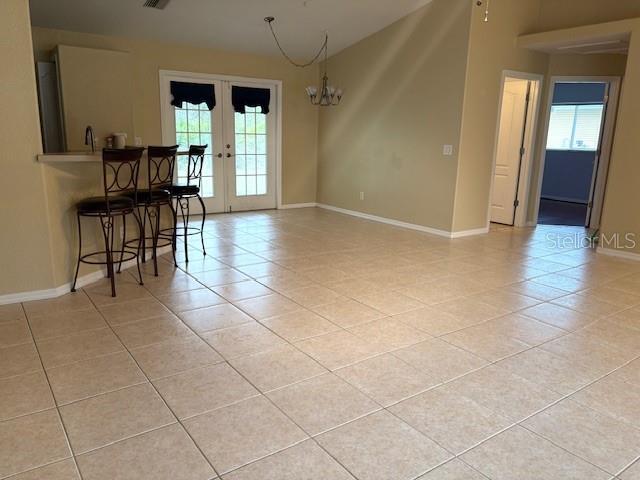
(575, 127)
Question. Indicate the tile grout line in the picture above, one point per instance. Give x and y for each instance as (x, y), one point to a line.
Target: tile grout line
(627, 467)
(53, 397)
(163, 401)
(456, 347)
(309, 437)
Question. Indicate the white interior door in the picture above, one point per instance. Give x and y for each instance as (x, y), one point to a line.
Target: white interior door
(509, 151)
(600, 168)
(197, 125)
(250, 152)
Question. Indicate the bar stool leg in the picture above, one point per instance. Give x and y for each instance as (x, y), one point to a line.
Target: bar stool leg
(124, 241)
(145, 213)
(75, 278)
(107, 228)
(184, 205)
(156, 235)
(186, 230)
(140, 244)
(204, 215)
(174, 237)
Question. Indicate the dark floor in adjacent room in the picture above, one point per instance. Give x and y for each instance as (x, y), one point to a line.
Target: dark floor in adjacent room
(553, 212)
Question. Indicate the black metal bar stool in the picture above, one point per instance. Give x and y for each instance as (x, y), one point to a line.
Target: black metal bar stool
(160, 167)
(182, 194)
(120, 170)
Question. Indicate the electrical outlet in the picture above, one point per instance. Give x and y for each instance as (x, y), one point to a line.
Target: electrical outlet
(361, 195)
(447, 150)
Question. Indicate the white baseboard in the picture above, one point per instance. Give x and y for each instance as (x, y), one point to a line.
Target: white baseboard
(289, 206)
(64, 289)
(469, 233)
(410, 226)
(611, 252)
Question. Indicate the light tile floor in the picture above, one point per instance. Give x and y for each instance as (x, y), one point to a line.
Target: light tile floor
(312, 345)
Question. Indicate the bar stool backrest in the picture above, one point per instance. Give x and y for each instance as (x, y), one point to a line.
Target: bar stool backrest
(194, 167)
(161, 164)
(120, 170)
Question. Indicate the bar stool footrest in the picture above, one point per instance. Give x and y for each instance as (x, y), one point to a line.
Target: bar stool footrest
(127, 256)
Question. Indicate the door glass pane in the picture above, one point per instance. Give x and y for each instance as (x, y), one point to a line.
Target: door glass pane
(182, 166)
(262, 185)
(261, 144)
(261, 168)
(261, 124)
(250, 144)
(194, 126)
(205, 121)
(251, 152)
(207, 166)
(207, 187)
(250, 119)
(251, 185)
(239, 122)
(241, 165)
(240, 144)
(241, 186)
(251, 164)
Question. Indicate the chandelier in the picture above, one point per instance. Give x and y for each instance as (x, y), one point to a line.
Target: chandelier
(325, 95)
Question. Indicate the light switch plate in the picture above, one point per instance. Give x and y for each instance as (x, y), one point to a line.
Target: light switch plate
(447, 150)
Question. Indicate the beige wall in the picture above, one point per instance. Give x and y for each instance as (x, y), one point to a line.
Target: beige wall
(492, 49)
(620, 214)
(148, 57)
(555, 14)
(25, 257)
(403, 102)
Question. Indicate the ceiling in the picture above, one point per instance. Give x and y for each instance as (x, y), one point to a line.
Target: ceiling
(236, 25)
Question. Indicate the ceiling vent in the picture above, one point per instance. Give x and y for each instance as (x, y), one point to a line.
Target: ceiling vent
(157, 4)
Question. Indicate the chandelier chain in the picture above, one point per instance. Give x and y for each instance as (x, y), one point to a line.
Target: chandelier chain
(323, 48)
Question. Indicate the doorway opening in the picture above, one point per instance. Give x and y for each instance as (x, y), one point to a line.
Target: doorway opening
(575, 160)
(242, 131)
(515, 137)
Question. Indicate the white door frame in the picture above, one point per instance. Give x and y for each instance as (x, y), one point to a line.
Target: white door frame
(606, 142)
(165, 102)
(531, 127)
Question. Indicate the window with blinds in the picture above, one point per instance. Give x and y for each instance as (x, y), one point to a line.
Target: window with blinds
(575, 127)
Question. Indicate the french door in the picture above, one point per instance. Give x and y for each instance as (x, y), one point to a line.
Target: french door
(250, 152)
(239, 170)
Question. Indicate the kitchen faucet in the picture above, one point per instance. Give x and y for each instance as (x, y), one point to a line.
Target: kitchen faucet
(89, 138)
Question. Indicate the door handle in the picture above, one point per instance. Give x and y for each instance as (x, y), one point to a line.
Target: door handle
(219, 155)
(229, 155)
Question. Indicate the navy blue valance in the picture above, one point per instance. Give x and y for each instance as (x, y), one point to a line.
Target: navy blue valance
(193, 93)
(243, 97)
